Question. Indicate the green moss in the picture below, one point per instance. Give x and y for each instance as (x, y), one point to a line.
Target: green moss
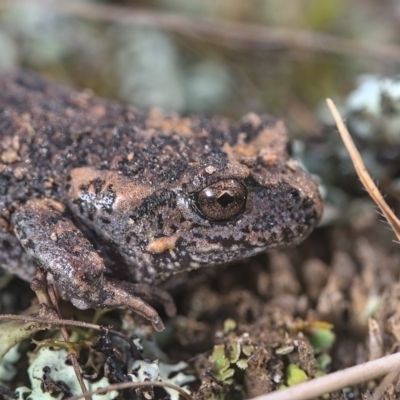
(322, 339)
(226, 359)
(295, 375)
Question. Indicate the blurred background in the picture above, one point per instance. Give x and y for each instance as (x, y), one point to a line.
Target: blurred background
(223, 57)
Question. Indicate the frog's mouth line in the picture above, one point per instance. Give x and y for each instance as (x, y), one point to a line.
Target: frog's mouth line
(227, 256)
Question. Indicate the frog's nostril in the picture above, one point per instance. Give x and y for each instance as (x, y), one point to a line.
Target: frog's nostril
(295, 194)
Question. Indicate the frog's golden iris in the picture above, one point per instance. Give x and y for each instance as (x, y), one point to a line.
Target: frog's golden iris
(222, 200)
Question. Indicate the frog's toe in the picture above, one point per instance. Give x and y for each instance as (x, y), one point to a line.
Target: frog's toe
(150, 293)
(118, 294)
(153, 294)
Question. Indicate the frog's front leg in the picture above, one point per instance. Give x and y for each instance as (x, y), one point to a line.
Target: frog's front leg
(61, 249)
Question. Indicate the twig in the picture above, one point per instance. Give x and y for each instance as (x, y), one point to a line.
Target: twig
(72, 357)
(373, 191)
(386, 381)
(372, 369)
(62, 322)
(227, 33)
(130, 385)
(362, 172)
(51, 321)
(337, 380)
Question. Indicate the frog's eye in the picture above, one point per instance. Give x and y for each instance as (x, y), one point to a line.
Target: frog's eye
(222, 200)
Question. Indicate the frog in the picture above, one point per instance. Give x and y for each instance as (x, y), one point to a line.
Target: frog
(109, 202)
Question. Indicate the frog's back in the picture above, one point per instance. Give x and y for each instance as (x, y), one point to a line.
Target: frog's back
(41, 126)
(47, 130)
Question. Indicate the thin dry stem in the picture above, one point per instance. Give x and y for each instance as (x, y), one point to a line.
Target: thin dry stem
(372, 369)
(61, 322)
(130, 385)
(386, 381)
(362, 172)
(51, 321)
(63, 329)
(373, 191)
(337, 380)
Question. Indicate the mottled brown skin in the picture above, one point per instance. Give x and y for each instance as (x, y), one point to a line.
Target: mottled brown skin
(109, 201)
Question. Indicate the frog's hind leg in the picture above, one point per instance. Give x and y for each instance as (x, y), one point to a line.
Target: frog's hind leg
(61, 249)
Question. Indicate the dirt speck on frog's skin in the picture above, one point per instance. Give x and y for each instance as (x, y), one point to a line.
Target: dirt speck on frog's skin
(110, 202)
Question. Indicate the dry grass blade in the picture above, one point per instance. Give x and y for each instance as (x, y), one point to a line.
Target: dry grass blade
(72, 357)
(362, 172)
(370, 370)
(130, 385)
(61, 322)
(373, 191)
(337, 380)
(50, 321)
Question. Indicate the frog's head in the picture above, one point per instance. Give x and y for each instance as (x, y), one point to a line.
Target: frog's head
(249, 198)
(229, 194)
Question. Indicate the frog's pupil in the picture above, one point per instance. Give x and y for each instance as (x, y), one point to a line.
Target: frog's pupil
(225, 200)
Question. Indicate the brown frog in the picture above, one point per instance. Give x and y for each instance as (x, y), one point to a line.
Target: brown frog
(110, 202)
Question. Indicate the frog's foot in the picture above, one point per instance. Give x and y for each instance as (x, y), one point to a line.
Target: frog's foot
(147, 292)
(61, 249)
(118, 294)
